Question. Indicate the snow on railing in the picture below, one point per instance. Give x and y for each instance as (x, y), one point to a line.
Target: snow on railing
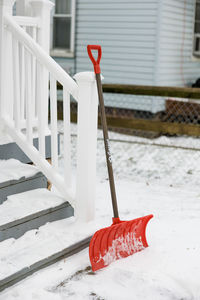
(27, 67)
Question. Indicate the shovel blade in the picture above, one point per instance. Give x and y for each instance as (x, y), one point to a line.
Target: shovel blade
(118, 241)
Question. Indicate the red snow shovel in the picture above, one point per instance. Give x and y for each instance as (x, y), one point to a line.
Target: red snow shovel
(122, 238)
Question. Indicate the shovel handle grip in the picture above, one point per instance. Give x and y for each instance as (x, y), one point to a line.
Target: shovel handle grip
(96, 63)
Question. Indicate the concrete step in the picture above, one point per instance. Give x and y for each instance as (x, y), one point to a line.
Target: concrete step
(30, 210)
(16, 177)
(37, 249)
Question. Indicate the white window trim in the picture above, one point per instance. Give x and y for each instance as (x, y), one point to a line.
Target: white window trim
(56, 52)
(196, 53)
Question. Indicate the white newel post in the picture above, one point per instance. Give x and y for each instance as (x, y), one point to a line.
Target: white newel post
(6, 82)
(86, 146)
(42, 10)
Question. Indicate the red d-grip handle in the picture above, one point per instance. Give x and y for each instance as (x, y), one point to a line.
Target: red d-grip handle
(96, 63)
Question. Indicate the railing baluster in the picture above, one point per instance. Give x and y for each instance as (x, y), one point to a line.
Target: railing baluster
(41, 107)
(67, 137)
(54, 130)
(16, 82)
(29, 108)
(8, 74)
(34, 32)
(22, 83)
(33, 85)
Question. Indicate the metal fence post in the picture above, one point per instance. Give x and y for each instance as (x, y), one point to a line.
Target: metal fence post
(86, 146)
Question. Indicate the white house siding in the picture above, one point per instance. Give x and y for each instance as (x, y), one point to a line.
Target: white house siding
(127, 32)
(67, 64)
(176, 65)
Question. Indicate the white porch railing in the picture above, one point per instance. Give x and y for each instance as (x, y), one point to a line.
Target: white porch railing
(25, 72)
(31, 26)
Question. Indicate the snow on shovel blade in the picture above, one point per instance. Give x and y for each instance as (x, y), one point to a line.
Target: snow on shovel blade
(118, 241)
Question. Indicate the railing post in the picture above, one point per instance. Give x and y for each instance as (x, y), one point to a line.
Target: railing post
(86, 146)
(42, 10)
(6, 7)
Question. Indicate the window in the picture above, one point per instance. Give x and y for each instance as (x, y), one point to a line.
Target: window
(197, 30)
(63, 28)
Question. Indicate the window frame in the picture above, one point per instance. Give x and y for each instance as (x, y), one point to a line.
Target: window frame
(59, 52)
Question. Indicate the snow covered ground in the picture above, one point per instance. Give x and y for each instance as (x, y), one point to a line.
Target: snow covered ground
(170, 267)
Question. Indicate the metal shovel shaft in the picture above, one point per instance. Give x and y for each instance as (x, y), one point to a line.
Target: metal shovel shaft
(107, 147)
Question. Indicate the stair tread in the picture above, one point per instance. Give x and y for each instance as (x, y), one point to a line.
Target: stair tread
(12, 169)
(28, 203)
(36, 245)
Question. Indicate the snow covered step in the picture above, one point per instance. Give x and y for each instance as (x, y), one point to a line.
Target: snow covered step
(30, 210)
(37, 249)
(16, 177)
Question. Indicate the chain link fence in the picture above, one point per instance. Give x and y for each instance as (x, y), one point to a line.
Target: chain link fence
(156, 146)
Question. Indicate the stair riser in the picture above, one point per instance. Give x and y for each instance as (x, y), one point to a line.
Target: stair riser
(22, 185)
(12, 150)
(14, 230)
